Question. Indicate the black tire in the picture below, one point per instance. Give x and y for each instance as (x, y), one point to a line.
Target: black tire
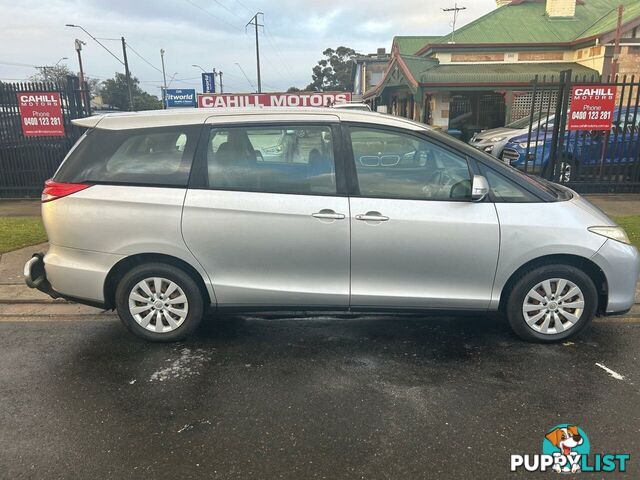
(529, 280)
(182, 279)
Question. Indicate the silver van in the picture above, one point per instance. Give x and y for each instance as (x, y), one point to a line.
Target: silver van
(165, 216)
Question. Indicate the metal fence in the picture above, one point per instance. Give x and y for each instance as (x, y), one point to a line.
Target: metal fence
(26, 162)
(593, 161)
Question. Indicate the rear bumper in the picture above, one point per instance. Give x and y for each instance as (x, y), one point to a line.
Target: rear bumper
(70, 273)
(36, 277)
(621, 266)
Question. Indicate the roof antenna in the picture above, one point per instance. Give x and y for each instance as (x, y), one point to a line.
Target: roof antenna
(456, 10)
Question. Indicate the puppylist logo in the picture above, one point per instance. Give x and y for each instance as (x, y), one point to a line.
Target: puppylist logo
(566, 449)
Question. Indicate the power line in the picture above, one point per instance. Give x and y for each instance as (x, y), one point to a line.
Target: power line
(278, 53)
(227, 9)
(212, 15)
(244, 6)
(16, 64)
(142, 58)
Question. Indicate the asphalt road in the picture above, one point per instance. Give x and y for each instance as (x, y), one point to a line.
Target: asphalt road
(384, 398)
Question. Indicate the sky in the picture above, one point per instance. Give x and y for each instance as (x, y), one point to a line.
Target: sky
(211, 33)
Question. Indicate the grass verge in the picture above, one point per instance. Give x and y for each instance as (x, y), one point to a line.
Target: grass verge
(18, 232)
(632, 227)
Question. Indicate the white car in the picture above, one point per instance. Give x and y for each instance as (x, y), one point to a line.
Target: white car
(494, 140)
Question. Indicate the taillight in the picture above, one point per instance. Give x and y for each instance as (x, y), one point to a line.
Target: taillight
(54, 190)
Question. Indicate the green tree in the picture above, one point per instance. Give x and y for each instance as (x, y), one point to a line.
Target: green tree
(334, 71)
(114, 92)
(52, 73)
(94, 85)
(293, 90)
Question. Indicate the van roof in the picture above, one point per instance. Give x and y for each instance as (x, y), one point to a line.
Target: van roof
(190, 116)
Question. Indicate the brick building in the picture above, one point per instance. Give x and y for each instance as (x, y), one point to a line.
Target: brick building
(479, 78)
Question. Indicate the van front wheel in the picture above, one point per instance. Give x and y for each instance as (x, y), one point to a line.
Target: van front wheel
(159, 302)
(551, 303)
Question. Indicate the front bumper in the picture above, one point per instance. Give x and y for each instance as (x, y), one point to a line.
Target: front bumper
(621, 266)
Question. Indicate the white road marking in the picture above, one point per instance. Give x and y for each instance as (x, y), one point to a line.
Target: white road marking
(615, 375)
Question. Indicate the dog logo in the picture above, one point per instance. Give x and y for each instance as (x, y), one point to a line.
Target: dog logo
(570, 442)
(566, 449)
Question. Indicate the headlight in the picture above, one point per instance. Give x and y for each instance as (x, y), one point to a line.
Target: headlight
(531, 145)
(614, 233)
(497, 139)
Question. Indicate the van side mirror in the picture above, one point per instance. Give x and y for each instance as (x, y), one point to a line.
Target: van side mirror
(479, 188)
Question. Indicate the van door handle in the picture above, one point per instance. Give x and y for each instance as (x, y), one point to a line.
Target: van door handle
(372, 217)
(328, 214)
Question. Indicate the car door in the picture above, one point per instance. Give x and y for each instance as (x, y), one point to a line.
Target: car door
(267, 215)
(417, 240)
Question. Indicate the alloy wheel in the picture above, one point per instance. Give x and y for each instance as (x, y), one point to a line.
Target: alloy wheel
(553, 306)
(158, 304)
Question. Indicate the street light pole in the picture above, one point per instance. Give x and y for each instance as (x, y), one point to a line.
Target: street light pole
(127, 72)
(164, 79)
(78, 45)
(85, 94)
(221, 88)
(245, 75)
(125, 63)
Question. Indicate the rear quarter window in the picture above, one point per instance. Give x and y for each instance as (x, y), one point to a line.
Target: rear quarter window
(152, 156)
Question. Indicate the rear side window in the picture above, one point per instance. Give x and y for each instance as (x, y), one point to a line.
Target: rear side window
(151, 156)
(292, 159)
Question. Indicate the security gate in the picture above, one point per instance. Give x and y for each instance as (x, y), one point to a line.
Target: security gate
(591, 148)
(32, 147)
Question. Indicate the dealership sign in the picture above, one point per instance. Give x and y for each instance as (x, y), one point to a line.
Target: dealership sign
(181, 97)
(592, 107)
(41, 114)
(208, 82)
(302, 99)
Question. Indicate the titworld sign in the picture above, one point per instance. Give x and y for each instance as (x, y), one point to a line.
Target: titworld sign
(180, 97)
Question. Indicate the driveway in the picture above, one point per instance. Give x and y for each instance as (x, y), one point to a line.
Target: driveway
(387, 397)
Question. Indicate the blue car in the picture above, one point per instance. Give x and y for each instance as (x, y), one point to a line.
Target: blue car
(584, 154)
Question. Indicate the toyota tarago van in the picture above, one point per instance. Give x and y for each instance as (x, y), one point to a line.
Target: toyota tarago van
(165, 216)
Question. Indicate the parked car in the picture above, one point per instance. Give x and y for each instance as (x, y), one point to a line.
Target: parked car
(494, 140)
(152, 215)
(595, 150)
(353, 106)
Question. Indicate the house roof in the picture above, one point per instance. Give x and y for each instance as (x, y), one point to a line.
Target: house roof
(499, 74)
(428, 72)
(410, 44)
(526, 21)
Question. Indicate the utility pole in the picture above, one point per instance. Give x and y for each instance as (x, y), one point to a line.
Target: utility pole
(254, 22)
(456, 10)
(164, 80)
(615, 63)
(127, 73)
(221, 88)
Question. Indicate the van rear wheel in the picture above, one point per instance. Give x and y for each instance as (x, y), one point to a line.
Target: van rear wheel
(551, 303)
(159, 302)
